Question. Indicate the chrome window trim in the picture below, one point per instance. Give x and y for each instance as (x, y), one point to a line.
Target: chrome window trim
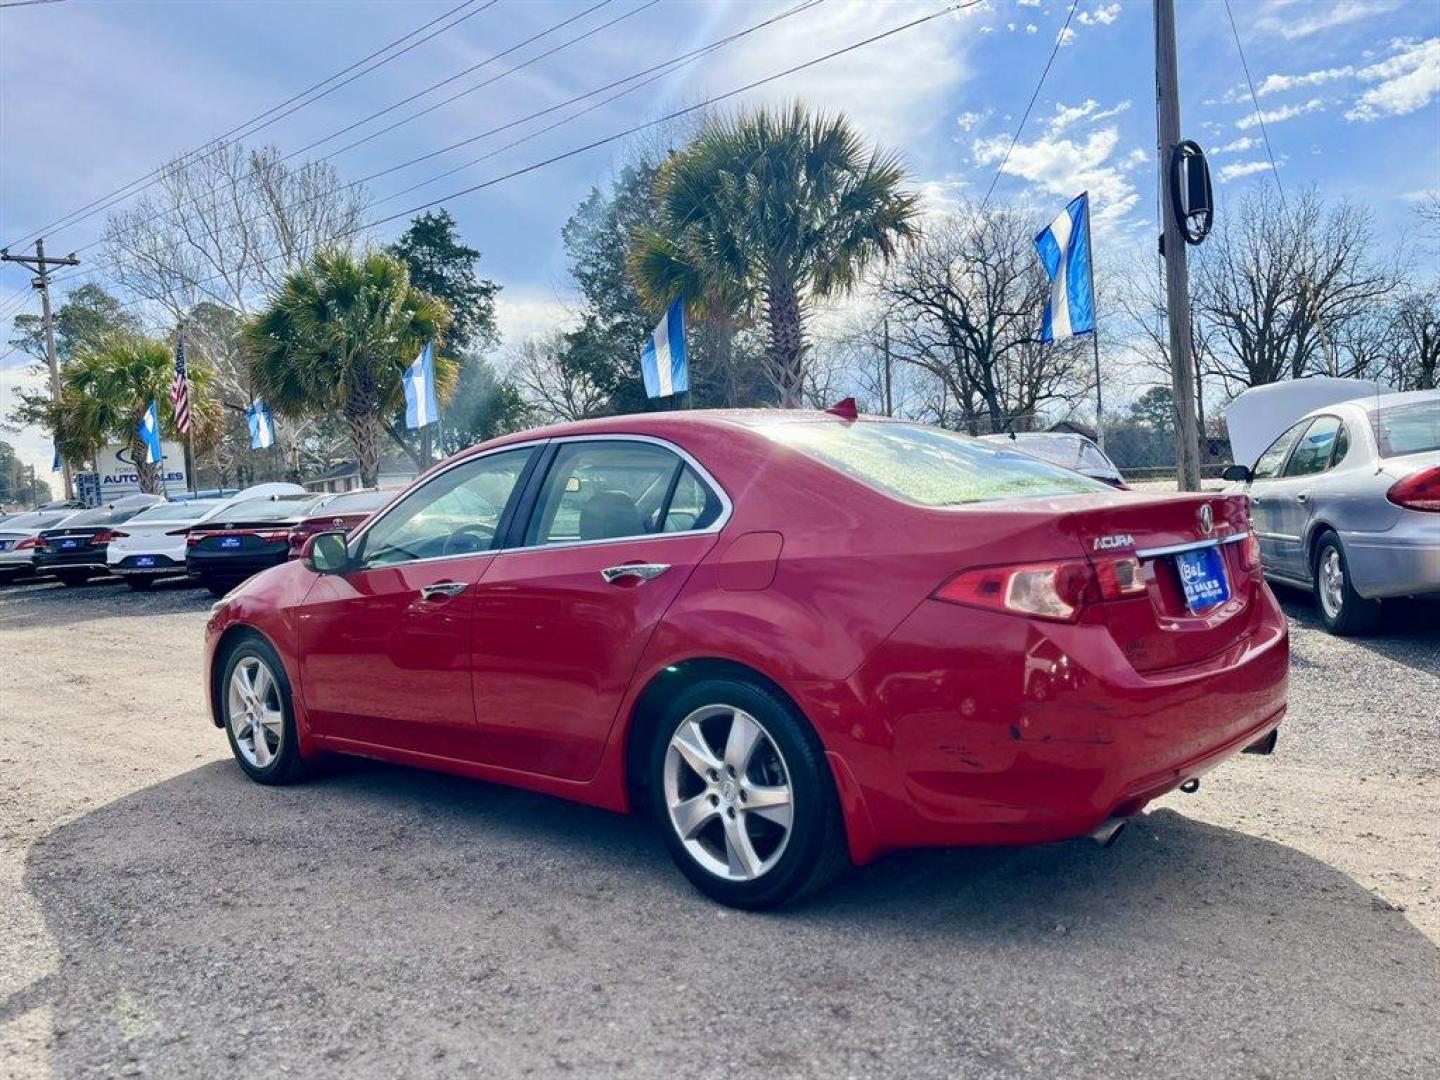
(1176, 549)
(727, 508)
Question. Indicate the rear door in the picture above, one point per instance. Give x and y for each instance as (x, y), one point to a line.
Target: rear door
(614, 529)
(386, 647)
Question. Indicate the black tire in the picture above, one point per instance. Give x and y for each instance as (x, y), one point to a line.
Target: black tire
(72, 579)
(286, 765)
(813, 853)
(1355, 614)
(140, 582)
(218, 588)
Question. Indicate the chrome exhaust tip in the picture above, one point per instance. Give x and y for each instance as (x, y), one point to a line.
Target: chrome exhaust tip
(1109, 831)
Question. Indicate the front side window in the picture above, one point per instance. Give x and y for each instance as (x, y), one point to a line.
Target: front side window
(1273, 460)
(456, 513)
(1312, 452)
(930, 466)
(604, 490)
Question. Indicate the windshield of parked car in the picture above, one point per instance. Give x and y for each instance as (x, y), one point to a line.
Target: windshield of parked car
(1411, 428)
(184, 511)
(259, 511)
(103, 515)
(928, 465)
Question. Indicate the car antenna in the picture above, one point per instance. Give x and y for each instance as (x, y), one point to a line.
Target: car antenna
(845, 409)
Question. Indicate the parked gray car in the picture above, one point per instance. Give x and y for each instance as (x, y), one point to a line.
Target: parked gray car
(1346, 502)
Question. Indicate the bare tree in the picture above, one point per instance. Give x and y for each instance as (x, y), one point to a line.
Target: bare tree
(1276, 286)
(966, 303)
(555, 390)
(212, 237)
(1416, 340)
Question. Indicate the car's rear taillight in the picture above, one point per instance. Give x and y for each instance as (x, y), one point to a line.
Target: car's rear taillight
(271, 535)
(191, 539)
(104, 536)
(1250, 553)
(1418, 492)
(28, 543)
(1058, 590)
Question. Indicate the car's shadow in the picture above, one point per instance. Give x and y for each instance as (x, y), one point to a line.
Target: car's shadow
(43, 601)
(1409, 630)
(382, 921)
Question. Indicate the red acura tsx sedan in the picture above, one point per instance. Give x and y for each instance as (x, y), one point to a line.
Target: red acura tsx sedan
(797, 640)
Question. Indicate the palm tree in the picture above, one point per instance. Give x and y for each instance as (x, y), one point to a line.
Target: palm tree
(338, 337)
(104, 392)
(762, 214)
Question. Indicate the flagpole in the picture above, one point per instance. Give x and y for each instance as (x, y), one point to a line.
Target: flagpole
(1094, 331)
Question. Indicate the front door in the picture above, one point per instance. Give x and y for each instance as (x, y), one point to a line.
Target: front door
(560, 624)
(386, 647)
(1269, 494)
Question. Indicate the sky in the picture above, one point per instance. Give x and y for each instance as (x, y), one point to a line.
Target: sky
(95, 93)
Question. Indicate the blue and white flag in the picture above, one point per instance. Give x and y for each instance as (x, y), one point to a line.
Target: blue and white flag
(58, 463)
(149, 430)
(262, 425)
(1064, 247)
(663, 362)
(421, 405)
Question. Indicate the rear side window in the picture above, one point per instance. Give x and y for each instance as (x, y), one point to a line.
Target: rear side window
(1411, 428)
(930, 466)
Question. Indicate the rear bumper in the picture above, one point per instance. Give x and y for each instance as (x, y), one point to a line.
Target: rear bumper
(232, 567)
(946, 744)
(131, 566)
(1403, 561)
(70, 560)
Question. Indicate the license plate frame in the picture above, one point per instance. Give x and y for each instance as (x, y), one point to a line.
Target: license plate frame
(1202, 579)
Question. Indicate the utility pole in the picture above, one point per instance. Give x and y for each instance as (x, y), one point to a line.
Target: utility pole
(1172, 246)
(41, 267)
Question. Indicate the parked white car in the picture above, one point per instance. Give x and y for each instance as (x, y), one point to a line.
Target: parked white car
(152, 545)
(19, 536)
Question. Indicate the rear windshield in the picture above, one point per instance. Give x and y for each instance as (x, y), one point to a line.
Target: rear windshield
(928, 465)
(186, 511)
(39, 519)
(358, 502)
(103, 515)
(262, 510)
(1411, 428)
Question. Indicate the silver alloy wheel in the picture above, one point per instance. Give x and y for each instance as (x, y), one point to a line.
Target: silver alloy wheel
(1331, 583)
(732, 809)
(254, 712)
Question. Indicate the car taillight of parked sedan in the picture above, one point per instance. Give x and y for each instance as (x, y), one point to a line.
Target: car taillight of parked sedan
(30, 543)
(1418, 492)
(1057, 590)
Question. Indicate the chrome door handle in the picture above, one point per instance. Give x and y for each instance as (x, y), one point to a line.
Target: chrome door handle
(441, 588)
(1304, 496)
(640, 571)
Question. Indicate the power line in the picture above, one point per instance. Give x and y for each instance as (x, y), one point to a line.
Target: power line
(664, 68)
(219, 142)
(26, 3)
(1059, 41)
(1255, 100)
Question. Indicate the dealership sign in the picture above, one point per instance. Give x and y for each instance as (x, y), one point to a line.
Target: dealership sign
(118, 475)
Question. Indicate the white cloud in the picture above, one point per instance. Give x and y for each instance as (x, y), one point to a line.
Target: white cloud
(1029, 3)
(1236, 169)
(969, 121)
(1031, 28)
(1064, 166)
(1101, 16)
(1292, 21)
(521, 314)
(1237, 146)
(1065, 36)
(1408, 80)
(893, 91)
(1089, 109)
(1278, 84)
(942, 196)
(1275, 116)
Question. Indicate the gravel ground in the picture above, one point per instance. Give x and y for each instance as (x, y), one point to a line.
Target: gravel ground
(162, 916)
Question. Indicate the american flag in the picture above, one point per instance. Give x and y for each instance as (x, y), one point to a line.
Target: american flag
(180, 388)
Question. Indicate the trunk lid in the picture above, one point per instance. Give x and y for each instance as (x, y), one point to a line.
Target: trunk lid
(1179, 539)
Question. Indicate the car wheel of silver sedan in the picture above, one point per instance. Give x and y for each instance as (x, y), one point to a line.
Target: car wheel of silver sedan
(743, 795)
(1342, 610)
(253, 695)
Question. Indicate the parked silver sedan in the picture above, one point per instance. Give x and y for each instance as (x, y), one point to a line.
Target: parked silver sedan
(1346, 502)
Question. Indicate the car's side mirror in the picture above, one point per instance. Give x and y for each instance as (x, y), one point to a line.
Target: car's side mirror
(326, 553)
(1237, 473)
